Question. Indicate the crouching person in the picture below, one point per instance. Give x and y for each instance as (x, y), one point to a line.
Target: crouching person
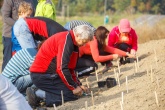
(53, 68)
(17, 69)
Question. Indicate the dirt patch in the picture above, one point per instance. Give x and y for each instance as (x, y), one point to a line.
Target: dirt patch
(141, 90)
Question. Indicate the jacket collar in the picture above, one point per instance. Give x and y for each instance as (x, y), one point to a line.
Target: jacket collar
(73, 37)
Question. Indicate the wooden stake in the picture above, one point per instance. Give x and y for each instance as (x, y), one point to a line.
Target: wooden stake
(126, 83)
(121, 105)
(54, 105)
(62, 97)
(96, 75)
(156, 62)
(137, 58)
(118, 66)
(156, 97)
(156, 59)
(122, 98)
(155, 52)
(115, 74)
(147, 72)
(87, 82)
(86, 105)
(157, 81)
(77, 74)
(118, 78)
(135, 68)
(151, 75)
(92, 98)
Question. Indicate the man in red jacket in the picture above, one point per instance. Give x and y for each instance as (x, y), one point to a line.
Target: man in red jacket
(53, 68)
(123, 37)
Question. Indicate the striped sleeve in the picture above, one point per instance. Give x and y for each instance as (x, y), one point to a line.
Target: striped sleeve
(18, 65)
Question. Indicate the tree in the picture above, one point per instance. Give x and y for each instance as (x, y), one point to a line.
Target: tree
(121, 5)
(141, 7)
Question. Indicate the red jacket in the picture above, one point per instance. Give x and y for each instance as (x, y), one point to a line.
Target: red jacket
(114, 35)
(61, 49)
(91, 48)
(42, 28)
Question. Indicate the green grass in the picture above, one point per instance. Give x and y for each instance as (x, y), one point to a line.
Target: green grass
(98, 20)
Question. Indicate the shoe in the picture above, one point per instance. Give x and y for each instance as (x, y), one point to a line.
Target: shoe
(107, 67)
(33, 100)
(127, 60)
(122, 61)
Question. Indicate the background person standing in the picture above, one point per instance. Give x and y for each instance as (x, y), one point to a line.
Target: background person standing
(9, 16)
(46, 8)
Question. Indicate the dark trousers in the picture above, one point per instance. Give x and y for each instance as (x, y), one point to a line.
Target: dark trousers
(123, 46)
(86, 61)
(52, 85)
(7, 52)
(86, 65)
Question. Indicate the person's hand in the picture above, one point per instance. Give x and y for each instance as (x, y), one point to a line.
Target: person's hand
(77, 91)
(131, 55)
(133, 52)
(85, 89)
(115, 56)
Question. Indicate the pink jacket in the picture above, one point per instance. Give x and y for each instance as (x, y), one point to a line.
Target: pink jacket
(113, 38)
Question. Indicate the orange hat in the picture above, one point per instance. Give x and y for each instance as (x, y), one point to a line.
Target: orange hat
(124, 25)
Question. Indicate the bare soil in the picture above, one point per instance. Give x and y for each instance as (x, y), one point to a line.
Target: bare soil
(141, 87)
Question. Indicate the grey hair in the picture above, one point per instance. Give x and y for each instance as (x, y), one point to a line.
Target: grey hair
(84, 32)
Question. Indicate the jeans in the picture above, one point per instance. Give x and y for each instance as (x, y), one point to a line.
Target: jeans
(22, 83)
(7, 45)
(23, 34)
(123, 46)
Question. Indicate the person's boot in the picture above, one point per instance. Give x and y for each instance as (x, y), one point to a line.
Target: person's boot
(33, 100)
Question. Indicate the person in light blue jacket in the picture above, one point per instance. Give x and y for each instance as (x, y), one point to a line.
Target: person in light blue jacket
(10, 98)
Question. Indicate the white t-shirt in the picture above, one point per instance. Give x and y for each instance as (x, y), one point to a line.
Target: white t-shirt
(10, 98)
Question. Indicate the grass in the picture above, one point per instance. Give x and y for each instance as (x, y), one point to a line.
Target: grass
(146, 33)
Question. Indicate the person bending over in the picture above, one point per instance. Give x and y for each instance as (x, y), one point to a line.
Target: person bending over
(31, 29)
(97, 51)
(53, 68)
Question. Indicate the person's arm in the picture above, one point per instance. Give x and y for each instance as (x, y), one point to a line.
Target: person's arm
(65, 50)
(112, 38)
(114, 51)
(75, 78)
(6, 10)
(118, 51)
(134, 40)
(95, 53)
